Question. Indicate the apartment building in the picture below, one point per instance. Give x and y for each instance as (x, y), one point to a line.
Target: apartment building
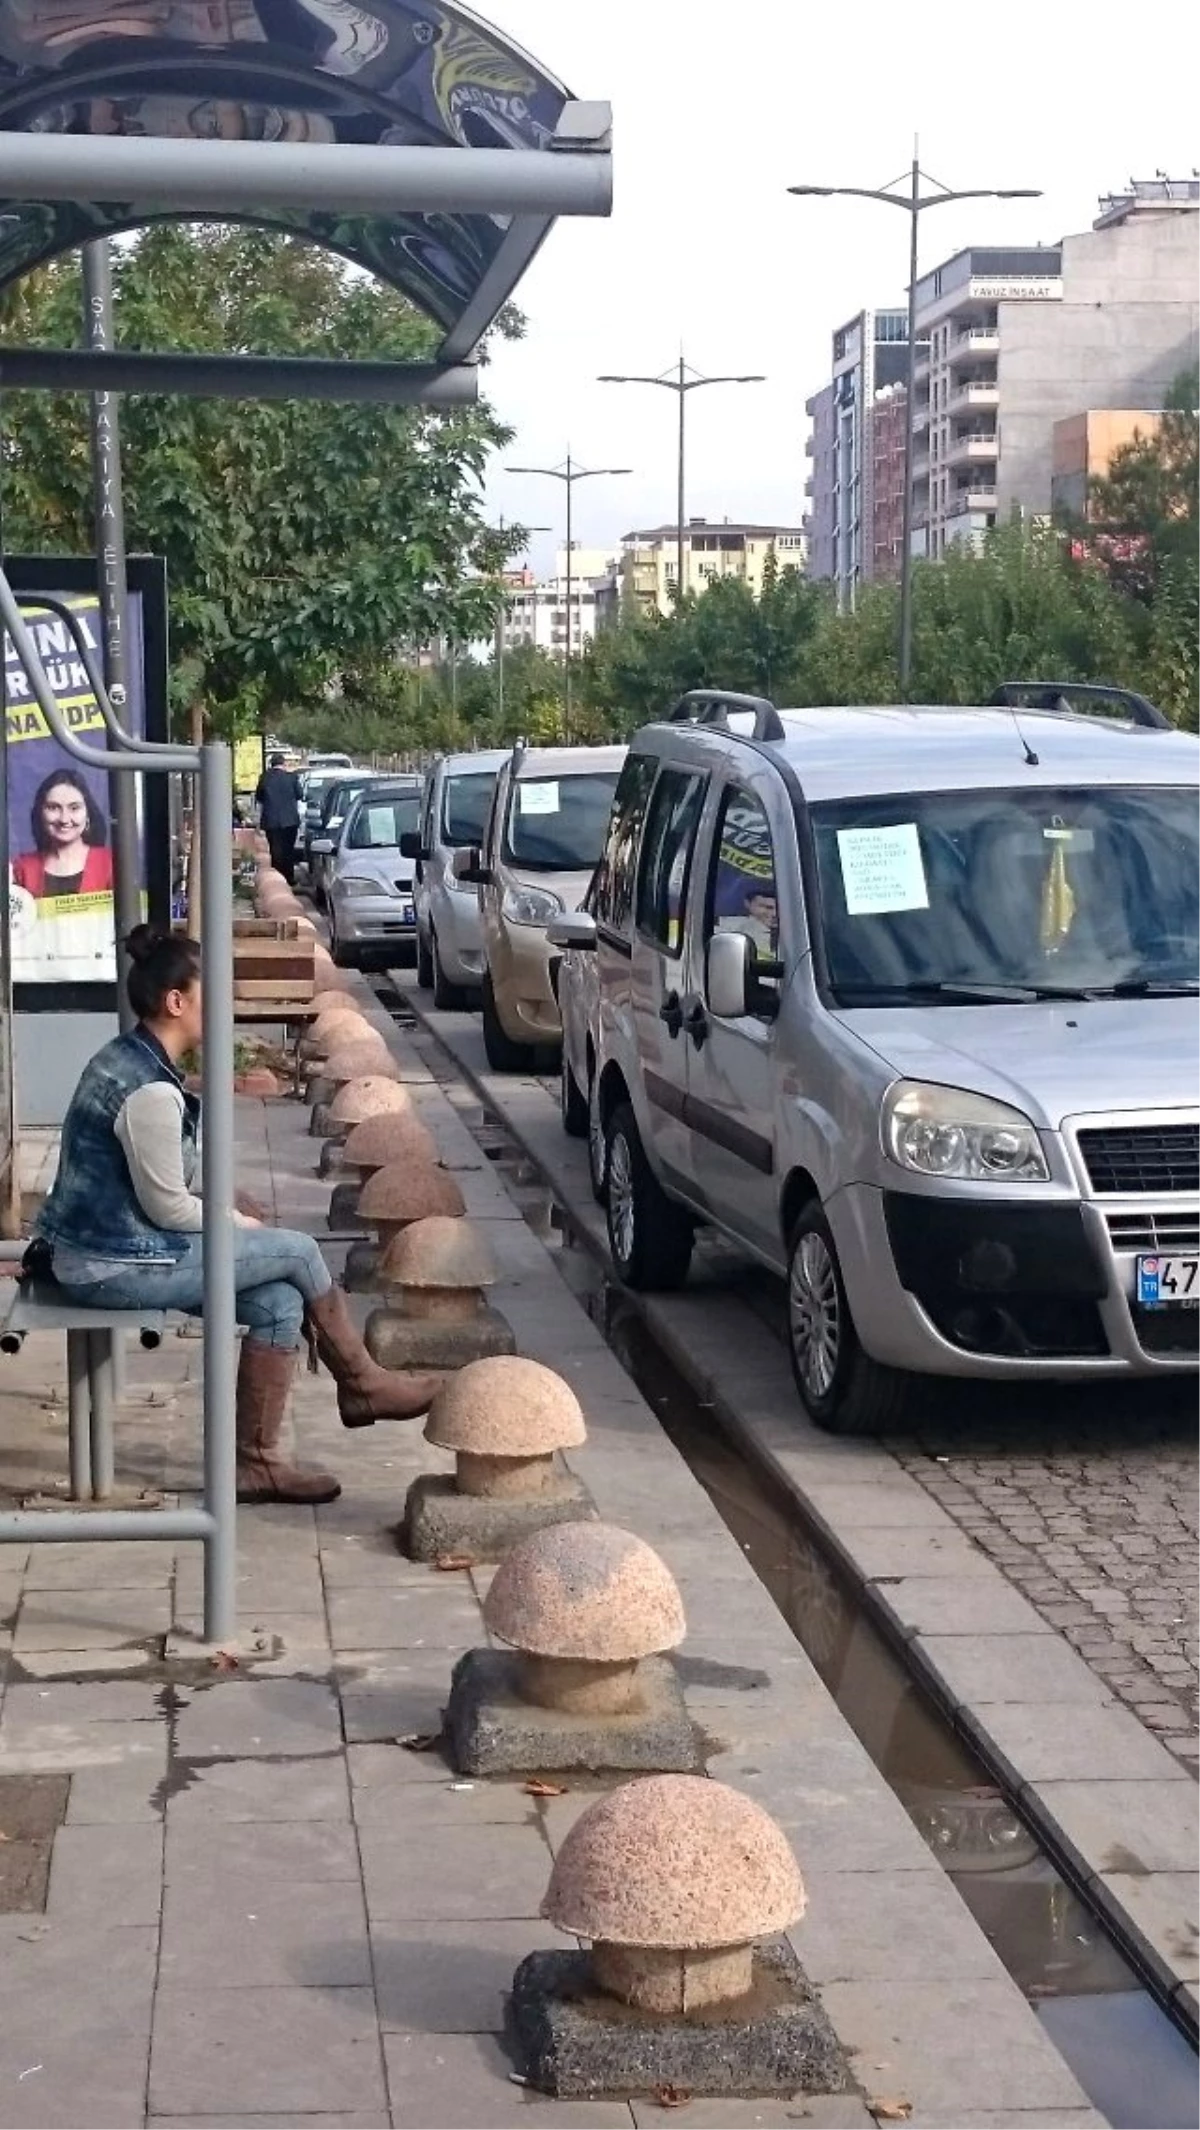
(646, 573)
(956, 384)
(869, 355)
(1083, 447)
(535, 613)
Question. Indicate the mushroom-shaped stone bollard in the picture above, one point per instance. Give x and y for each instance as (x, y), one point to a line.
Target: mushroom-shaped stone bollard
(583, 1604)
(333, 1029)
(404, 1191)
(372, 1094)
(389, 1201)
(372, 1144)
(674, 1880)
(588, 1612)
(433, 1274)
(331, 1001)
(365, 1053)
(505, 1418)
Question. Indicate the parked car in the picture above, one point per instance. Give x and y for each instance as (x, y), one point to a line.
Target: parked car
(455, 805)
(313, 785)
(336, 800)
(544, 834)
(903, 1001)
(320, 763)
(369, 889)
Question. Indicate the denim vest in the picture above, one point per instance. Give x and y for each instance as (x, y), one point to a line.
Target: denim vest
(92, 1207)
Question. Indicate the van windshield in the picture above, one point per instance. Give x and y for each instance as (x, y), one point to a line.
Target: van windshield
(466, 803)
(558, 824)
(997, 896)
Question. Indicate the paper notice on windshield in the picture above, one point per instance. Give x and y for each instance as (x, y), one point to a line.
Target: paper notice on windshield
(541, 798)
(882, 870)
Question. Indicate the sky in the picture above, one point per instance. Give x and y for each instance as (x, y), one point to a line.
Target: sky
(716, 110)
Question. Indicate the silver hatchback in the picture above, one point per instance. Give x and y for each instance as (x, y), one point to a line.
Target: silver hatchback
(903, 1001)
(369, 882)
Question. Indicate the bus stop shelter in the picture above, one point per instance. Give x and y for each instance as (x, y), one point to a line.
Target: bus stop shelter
(415, 140)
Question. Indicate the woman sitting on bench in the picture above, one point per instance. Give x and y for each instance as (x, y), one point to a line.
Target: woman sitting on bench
(123, 1222)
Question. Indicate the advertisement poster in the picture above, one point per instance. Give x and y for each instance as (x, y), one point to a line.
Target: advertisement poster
(744, 897)
(59, 836)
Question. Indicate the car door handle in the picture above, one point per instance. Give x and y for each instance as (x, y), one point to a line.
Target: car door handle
(672, 1013)
(696, 1023)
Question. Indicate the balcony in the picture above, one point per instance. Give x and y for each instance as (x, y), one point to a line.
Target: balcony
(978, 396)
(810, 486)
(920, 371)
(920, 468)
(974, 447)
(980, 496)
(810, 446)
(920, 418)
(973, 341)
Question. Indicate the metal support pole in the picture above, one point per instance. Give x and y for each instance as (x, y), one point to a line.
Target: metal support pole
(108, 510)
(220, 1325)
(79, 1448)
(570, 583)
(910, 413)
(681, 494)
(100, 1388)
(209, 177)
(60, 1527)
(394, 384)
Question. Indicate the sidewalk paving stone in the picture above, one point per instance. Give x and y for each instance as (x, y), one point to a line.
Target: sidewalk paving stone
(204, 1852)
(451, 1978)
(245, 2051)
(261, 1932)
(98, 1873)
(936, 2041)
(463, 2082)
(260, 1789)
(482, 1875)
(91, 1618)
(253, 1717)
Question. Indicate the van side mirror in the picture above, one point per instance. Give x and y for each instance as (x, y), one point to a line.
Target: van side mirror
(467, 866)
(322, 846)
(728, 974)
(410, 845)
(575, 928)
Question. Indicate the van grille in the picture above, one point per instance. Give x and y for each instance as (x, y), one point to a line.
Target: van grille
(1154, 1230)
(1164, 1157)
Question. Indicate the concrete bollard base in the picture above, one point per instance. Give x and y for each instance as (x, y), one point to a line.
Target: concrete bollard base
(329, 1160)
(362, 1263)
(491, 1730)
(397, 1341)
(322, 1124)
(344, 1217)
(578, 2044)
(439, 1520)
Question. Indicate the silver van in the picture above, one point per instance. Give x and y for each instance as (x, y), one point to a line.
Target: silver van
(903, 1001)
(455, 804)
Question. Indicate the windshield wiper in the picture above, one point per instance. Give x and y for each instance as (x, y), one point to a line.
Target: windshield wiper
(964, 993)
(1145, 987)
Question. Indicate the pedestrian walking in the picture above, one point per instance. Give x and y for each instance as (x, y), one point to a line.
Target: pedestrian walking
(278, 801)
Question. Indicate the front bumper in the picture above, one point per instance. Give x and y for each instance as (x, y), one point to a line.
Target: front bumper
(525, 1001)
(996, 1288)
(376, 921)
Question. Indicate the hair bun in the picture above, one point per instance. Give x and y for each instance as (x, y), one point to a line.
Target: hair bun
(144, 940)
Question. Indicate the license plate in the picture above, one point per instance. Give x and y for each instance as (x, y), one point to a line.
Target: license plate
(1169, 1282)
(407, 914)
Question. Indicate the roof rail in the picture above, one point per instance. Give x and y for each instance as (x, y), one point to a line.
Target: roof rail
(1125, 705)
(710, 706)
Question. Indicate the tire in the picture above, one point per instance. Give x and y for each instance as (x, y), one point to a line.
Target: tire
(572, 1105)
(842, 1389)
(424, 966)
(597, 1146)
(503, 1055)
(342, 957)
(650, 1237)
(447, 997)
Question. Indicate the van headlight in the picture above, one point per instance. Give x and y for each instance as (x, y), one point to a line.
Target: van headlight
(530, 905)
(947, 1131)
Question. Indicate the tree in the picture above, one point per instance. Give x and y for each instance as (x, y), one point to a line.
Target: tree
(1142, 514)
(303, 539)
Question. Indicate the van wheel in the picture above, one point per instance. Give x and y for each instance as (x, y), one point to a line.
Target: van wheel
(447, 997)
(424, 966)
(651, 1238)
(597, 1144)
(572, 1105)
(843, 1389)
(503, 1055)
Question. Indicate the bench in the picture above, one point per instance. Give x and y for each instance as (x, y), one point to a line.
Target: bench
(93, 1341)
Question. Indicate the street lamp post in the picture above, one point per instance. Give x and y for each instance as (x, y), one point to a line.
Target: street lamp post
(680, 380)
(502, 621)
(913, 203)
(568, 474)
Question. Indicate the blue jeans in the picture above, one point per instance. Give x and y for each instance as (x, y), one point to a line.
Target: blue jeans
(276, 1271)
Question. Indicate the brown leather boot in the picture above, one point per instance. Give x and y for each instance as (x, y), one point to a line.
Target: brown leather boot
(366, 1392)
(264, 1380)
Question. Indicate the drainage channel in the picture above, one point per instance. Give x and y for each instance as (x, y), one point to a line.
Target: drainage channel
(1135, 2064)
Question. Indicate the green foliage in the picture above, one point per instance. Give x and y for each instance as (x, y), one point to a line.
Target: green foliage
(1142, 514)
(302, 538)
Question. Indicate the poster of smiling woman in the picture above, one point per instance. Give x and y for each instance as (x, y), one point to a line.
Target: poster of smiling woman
(60, 855)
